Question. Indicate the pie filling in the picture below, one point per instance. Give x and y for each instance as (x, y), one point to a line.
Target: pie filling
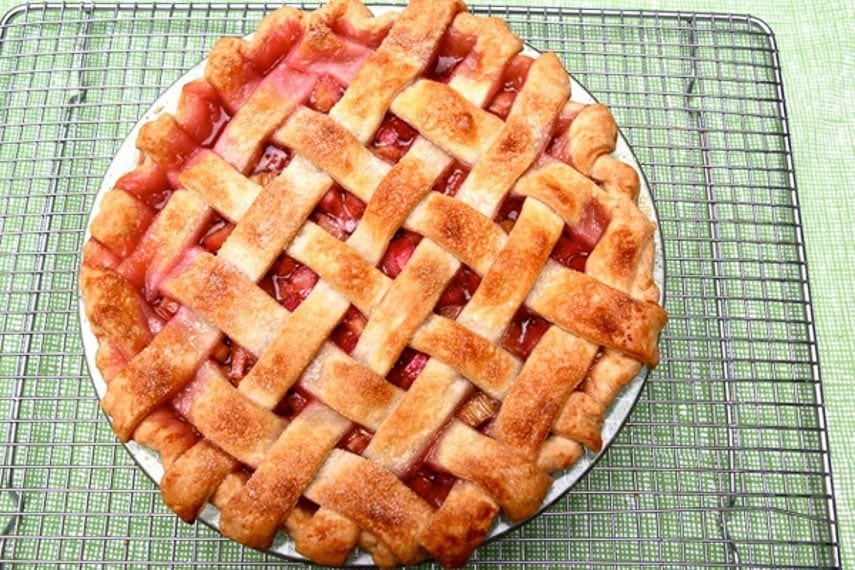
(393, 139)
(512, 82)
(338, 212)
(206, 119)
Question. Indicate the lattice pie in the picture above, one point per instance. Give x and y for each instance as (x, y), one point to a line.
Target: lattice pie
(373, 281)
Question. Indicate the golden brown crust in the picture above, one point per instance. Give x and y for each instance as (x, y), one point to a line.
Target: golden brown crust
(262, 233)
(528, 247)
(597, 312)
(617, 256)
(380, 553)
(222, 187)
(165, 432)
(210, 286)
(447, 119)
(394, 198)
(593, 133)
(115, 310)
(581, 420)
(488, 366)
(616, 177)
(153, 139)
(253, 515)
(355, 391)
(121, 222)
(493, 45)
(353, 18)
(325, 537)
(558, 453)
(419, 416)
(194, 477)
(291, 350)
(460, 525)
(463, 231)
(525, 133)
(235, 424)
(158, 372)
(553, 369)
(561, 187)
(407, 302)
(404, 53)
(375, 499)
(334, 149)
(516, 484)
(340, 266)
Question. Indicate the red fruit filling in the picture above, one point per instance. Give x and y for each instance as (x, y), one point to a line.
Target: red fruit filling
(200, 112)
(451, 180)
(346, 334)
(593, 224)
(513, 79)
(393, 139)
(338, 212)
(407, 368)
(558, 148)
(289, 282)
(165, 308)
(430, 484)
(236, 360)
(458, 292)
(509, 211)
(273, 159)
(453, 49)
(240, 362)
(217, 232)
(219, 119)
(570, 251)
(148, 183)
(325, 94)
(292, 404)
(524, 332)
(398, 253)
(444, 67)
(355, 441)
(575, 244)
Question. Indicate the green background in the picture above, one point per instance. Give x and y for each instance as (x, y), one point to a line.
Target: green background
(816, 47)
(816, 52)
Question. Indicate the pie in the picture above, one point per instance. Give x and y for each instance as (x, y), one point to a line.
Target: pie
(371, 283)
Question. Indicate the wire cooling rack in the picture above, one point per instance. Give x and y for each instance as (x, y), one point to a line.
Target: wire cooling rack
(724, 461)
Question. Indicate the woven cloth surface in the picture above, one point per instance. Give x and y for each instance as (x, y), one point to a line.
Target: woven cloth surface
(816, 63)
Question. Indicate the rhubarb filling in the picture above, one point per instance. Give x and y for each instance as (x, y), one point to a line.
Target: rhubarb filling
(289, 282)
(451, 180)
(338, 212)
(393, 139)
(513, 79)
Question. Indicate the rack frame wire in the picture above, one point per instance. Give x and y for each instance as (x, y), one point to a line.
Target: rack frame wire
(724, 461)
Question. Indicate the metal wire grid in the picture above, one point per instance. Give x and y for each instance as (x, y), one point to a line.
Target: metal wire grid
(724, 462)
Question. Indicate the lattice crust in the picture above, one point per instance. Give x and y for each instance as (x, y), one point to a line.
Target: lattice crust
(371, 283)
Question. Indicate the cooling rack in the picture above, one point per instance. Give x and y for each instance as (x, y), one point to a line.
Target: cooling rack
(724, 461)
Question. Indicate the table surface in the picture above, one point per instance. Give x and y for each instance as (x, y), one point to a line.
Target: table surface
(816, 51)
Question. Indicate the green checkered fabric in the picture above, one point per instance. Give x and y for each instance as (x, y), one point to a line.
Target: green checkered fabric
(723, 461)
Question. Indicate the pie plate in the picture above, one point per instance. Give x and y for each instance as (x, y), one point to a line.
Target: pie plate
(126, 159)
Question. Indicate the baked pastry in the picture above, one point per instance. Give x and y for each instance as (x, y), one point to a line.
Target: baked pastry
(372, 282)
